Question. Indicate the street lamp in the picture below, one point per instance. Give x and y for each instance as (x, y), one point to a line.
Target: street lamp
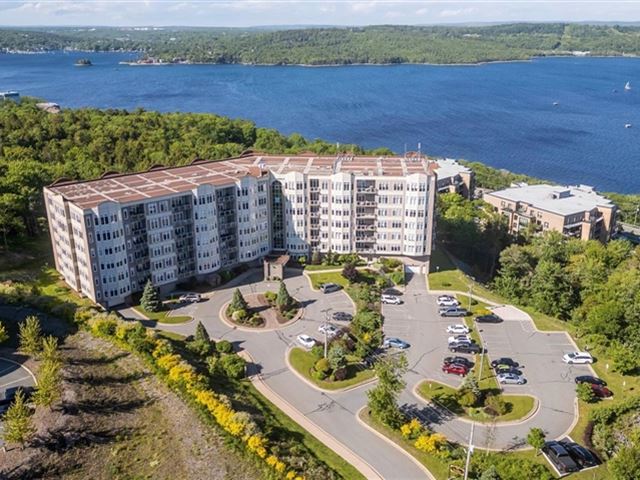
(326, 317)
(471, 291)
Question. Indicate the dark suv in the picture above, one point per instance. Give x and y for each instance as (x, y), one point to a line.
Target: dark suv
(491, 318)
(464, 347)
(583, 457)
(559, 456)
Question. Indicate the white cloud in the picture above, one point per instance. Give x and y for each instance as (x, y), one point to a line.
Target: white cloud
(422, 11)
(457, 12)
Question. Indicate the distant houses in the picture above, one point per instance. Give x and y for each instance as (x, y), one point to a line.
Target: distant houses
(10, 95)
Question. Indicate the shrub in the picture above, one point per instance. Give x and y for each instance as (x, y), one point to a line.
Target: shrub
(323, 366)
(224, 346)
(336, 356)
(350, 272)
(430, 443)
(103, 326)
(340, 374)
(315, 258)
(239, 316)
(200, 347)
(233, 366)
(270, 297)
(467, 398)
(397, 277)
(585, 393)
(411, 429)
(213, 365)
(495, 405)
(317, 351)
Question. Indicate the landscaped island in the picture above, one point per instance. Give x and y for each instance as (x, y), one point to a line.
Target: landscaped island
(383, 44)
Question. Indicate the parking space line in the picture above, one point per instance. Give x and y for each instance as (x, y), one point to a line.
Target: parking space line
(14, 381)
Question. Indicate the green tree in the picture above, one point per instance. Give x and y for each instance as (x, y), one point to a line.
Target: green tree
(4, 335)
(315, 258)
(337, 356)
(18, 423)
(49, 389)
(50, 351)
(233, 366)
(350, 272)
(536, 438)
(201, 333)
(284, 302)
(383, 397)
(150, 300)
(585, 393)
(625, 465)
(626, 359)
(30, 335)
(490, 473)
(237, 302)
(551, 289)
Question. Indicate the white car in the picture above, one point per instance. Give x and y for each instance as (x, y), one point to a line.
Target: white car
(329, 329)
(190, 298)
(306, 341)
(460, 338)
(445, 297)
(458, 329)
(448, 302)
(577, 357)
(392, 299)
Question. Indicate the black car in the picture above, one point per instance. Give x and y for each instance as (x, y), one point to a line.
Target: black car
(491, 318)
(559, 456)
(465, 347)
(507, 369)
(583, 457)
(505, 361)
(591, 380)
(459, 360)
(342, 316)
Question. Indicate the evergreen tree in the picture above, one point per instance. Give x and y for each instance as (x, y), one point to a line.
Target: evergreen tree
(50, 350)
(315, 258)
(18, 424)
(4, 335)
(350, 272)
(237, 302)
(48, 390)
(201, 333)
(150, 300)
(336, 357)
(284, 302)
(30, 335)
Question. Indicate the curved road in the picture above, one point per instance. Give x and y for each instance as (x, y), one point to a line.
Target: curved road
(416, 321)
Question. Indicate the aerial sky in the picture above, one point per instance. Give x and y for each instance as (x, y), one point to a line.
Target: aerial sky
(243, 13)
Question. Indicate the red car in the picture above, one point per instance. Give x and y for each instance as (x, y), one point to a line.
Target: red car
(456, 369)
(601, 391)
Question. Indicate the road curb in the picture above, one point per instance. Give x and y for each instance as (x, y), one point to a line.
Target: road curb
(319, 433)
(35, 380)
(394, 444)
(316, 387)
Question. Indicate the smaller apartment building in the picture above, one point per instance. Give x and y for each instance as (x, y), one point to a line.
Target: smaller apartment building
(111, 235)
(575, 211)
(454, 177)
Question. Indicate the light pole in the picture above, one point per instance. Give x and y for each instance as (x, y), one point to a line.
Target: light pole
(326, 316)
(471, 290)
(469, 452)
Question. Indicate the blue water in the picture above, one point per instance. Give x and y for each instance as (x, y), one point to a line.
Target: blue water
(501, 114)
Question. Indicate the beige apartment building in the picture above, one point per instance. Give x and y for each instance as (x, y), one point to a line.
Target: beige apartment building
(575, 211)
(111, 235)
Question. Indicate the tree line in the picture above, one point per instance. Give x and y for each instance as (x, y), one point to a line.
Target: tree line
(344, 45)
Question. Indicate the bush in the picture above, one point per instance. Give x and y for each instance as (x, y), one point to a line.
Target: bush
(270, 297)
(213, 365)
(239, 316)
(200, 347)
(322, 366)
(317, 351)
(233, 366)
(495, 405)
(467, 398)
(103, 326)
(224, 346)
(397, 277)
(350, 272)
(585, 393)
(340, 374)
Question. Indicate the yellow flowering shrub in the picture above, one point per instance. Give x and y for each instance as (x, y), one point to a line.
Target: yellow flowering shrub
(280, 466)
(290, 475)
(182, 373)
(166, 362)
(430, 443)
(272, 460)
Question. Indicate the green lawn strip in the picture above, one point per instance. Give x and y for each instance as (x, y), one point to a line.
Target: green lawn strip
(163, 316)
(318, 279)
(438, 468)
(444, 395)
(50, 285)
(171, 335)
(303, 362)
(319, 268)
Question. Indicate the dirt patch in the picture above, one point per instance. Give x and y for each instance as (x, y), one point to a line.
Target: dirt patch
(116, 420)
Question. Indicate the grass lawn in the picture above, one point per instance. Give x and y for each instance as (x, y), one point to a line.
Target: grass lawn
(303, 361)
(319, 268)
(163, 316)
(439, 468)
(318, 279)
(519, 405)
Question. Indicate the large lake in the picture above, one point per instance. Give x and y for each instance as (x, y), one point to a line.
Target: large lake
(502, 114)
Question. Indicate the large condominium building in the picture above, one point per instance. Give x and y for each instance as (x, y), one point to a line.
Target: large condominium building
(173, 224)
(574, 211)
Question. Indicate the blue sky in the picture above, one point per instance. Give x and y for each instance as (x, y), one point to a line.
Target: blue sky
(238, 13)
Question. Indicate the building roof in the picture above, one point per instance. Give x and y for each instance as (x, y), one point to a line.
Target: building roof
(563, 200)
(160, 181)
(448, 167)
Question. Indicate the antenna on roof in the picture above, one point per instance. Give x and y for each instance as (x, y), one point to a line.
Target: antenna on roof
(337, 147)
(405, 150)
(419, 149)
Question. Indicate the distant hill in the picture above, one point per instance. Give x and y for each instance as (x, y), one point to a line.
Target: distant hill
(336, 45)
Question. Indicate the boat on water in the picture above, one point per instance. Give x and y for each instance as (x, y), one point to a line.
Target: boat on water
(627, 125)
(627, 86)
(555, 104)
(83, 62)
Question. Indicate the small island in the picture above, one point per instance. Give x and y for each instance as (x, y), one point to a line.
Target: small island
(83, 62)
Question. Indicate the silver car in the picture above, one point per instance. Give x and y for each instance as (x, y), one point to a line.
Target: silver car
(511, 378)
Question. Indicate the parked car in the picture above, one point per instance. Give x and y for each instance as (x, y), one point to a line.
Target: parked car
(342, 316)
(507, 369)
(448, 302)
(512, 378)
(504, 361)
(460, 360)
(460, 338)
(329, 287)
(491, 318)
(393, 342)
(577, 358)
(10, 394)
(331, 330)
(306, 341)
(601, 391)
(582, 456)
(190, 298)
(453, 312)
(455, 369)
(464, 347)
(590, 379)
(458, 328)
(559, 457)
(390, 299)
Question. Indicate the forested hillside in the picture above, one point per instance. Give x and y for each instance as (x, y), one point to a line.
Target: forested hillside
(37, 148)
(323, 46)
